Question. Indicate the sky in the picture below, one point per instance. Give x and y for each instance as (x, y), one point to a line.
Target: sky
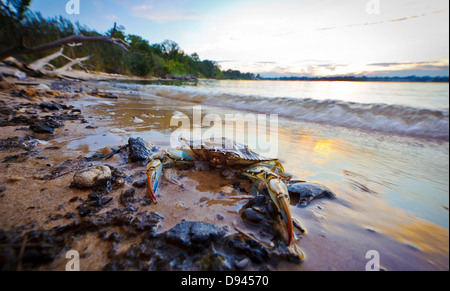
(286, 37)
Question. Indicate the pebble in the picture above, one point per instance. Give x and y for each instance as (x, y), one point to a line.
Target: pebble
(91, 177)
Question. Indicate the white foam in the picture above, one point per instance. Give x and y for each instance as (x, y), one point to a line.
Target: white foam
(397, 119)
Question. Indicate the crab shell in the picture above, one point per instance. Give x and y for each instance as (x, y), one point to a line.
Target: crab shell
(225, 153)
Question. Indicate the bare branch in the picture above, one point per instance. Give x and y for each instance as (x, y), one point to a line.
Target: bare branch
(21, 50)
(72, 63)
(41, 63)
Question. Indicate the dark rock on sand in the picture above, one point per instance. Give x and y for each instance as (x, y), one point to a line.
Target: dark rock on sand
(128, 197)
(50, 106)
(252, 216)
(48, 125)
(306, 193)
(193, 235)
(138, 150)
(141, 183)
(28, 143)
(40, 128)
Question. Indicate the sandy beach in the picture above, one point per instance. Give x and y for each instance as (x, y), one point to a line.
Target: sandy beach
(115, 226)
(38, 199)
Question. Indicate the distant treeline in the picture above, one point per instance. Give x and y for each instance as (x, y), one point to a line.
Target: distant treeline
(143, 59)
(364, 78)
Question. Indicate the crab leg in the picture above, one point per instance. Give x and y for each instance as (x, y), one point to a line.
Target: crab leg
(267, 177)
(154, 172)
(157, 163)
(279, 193)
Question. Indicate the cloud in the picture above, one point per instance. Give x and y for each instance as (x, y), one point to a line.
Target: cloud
(330, 67)
(361, 24)
(396, 64)
(432, 69)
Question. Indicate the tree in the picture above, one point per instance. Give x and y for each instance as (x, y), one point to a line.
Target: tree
(14, 15)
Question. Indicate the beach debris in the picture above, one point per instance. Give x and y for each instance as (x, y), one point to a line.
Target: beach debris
(7, 85)
(193, 235)
(137, 120)
(42, 87)
(265, 173)
(47, 125)
(50, 106)
(91, 177)
(307, 192)
(28, 143)
(108, 95)
(128, 197)
(138, 150)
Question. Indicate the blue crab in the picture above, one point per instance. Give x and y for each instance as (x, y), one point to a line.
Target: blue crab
(265, 173)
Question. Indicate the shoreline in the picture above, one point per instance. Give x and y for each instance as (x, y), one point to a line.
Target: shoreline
(190, 195)
(39, 204)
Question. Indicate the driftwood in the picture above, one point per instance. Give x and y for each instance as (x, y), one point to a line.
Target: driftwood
(42, 72)
(41, 63)
(23, 67)
(21, 49)
(39, 67)
(71, 64)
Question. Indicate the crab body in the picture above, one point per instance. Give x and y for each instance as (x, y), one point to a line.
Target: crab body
(265, 173)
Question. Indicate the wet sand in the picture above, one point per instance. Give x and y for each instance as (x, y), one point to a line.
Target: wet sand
(338, 232)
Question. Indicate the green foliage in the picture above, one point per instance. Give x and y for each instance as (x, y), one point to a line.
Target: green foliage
(18, 25)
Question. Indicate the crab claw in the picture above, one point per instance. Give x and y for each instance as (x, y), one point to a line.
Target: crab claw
(279, 193)
(154, 172)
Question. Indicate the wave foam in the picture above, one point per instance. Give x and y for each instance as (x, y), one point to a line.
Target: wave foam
(396, 119)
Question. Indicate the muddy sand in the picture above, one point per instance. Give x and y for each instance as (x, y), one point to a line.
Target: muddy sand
(197, 224)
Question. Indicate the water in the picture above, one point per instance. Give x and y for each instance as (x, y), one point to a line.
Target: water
(381, 147)
(412, 173)
(413, 109)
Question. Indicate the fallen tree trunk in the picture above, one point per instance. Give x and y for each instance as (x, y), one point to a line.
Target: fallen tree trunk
(41, 63)
(22, 50)
(71, 64)
(74, 40)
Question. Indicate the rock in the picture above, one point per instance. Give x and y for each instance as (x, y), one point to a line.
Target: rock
(141, 183)
(138, 149)
(91, 177)
(137, 120)
(128, 197)
(193, 235)
(50, 106)
(106, 151)
(20, 75)
(30, 92)
(215, 262)
(41, 87)
(6, 85)
(108, 95)
(53, 93)
(306, 193)
(46, 126)
(252, 216)
(40, 128)
(258, 201)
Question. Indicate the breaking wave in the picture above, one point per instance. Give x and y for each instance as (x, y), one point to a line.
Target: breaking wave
(395, 119)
